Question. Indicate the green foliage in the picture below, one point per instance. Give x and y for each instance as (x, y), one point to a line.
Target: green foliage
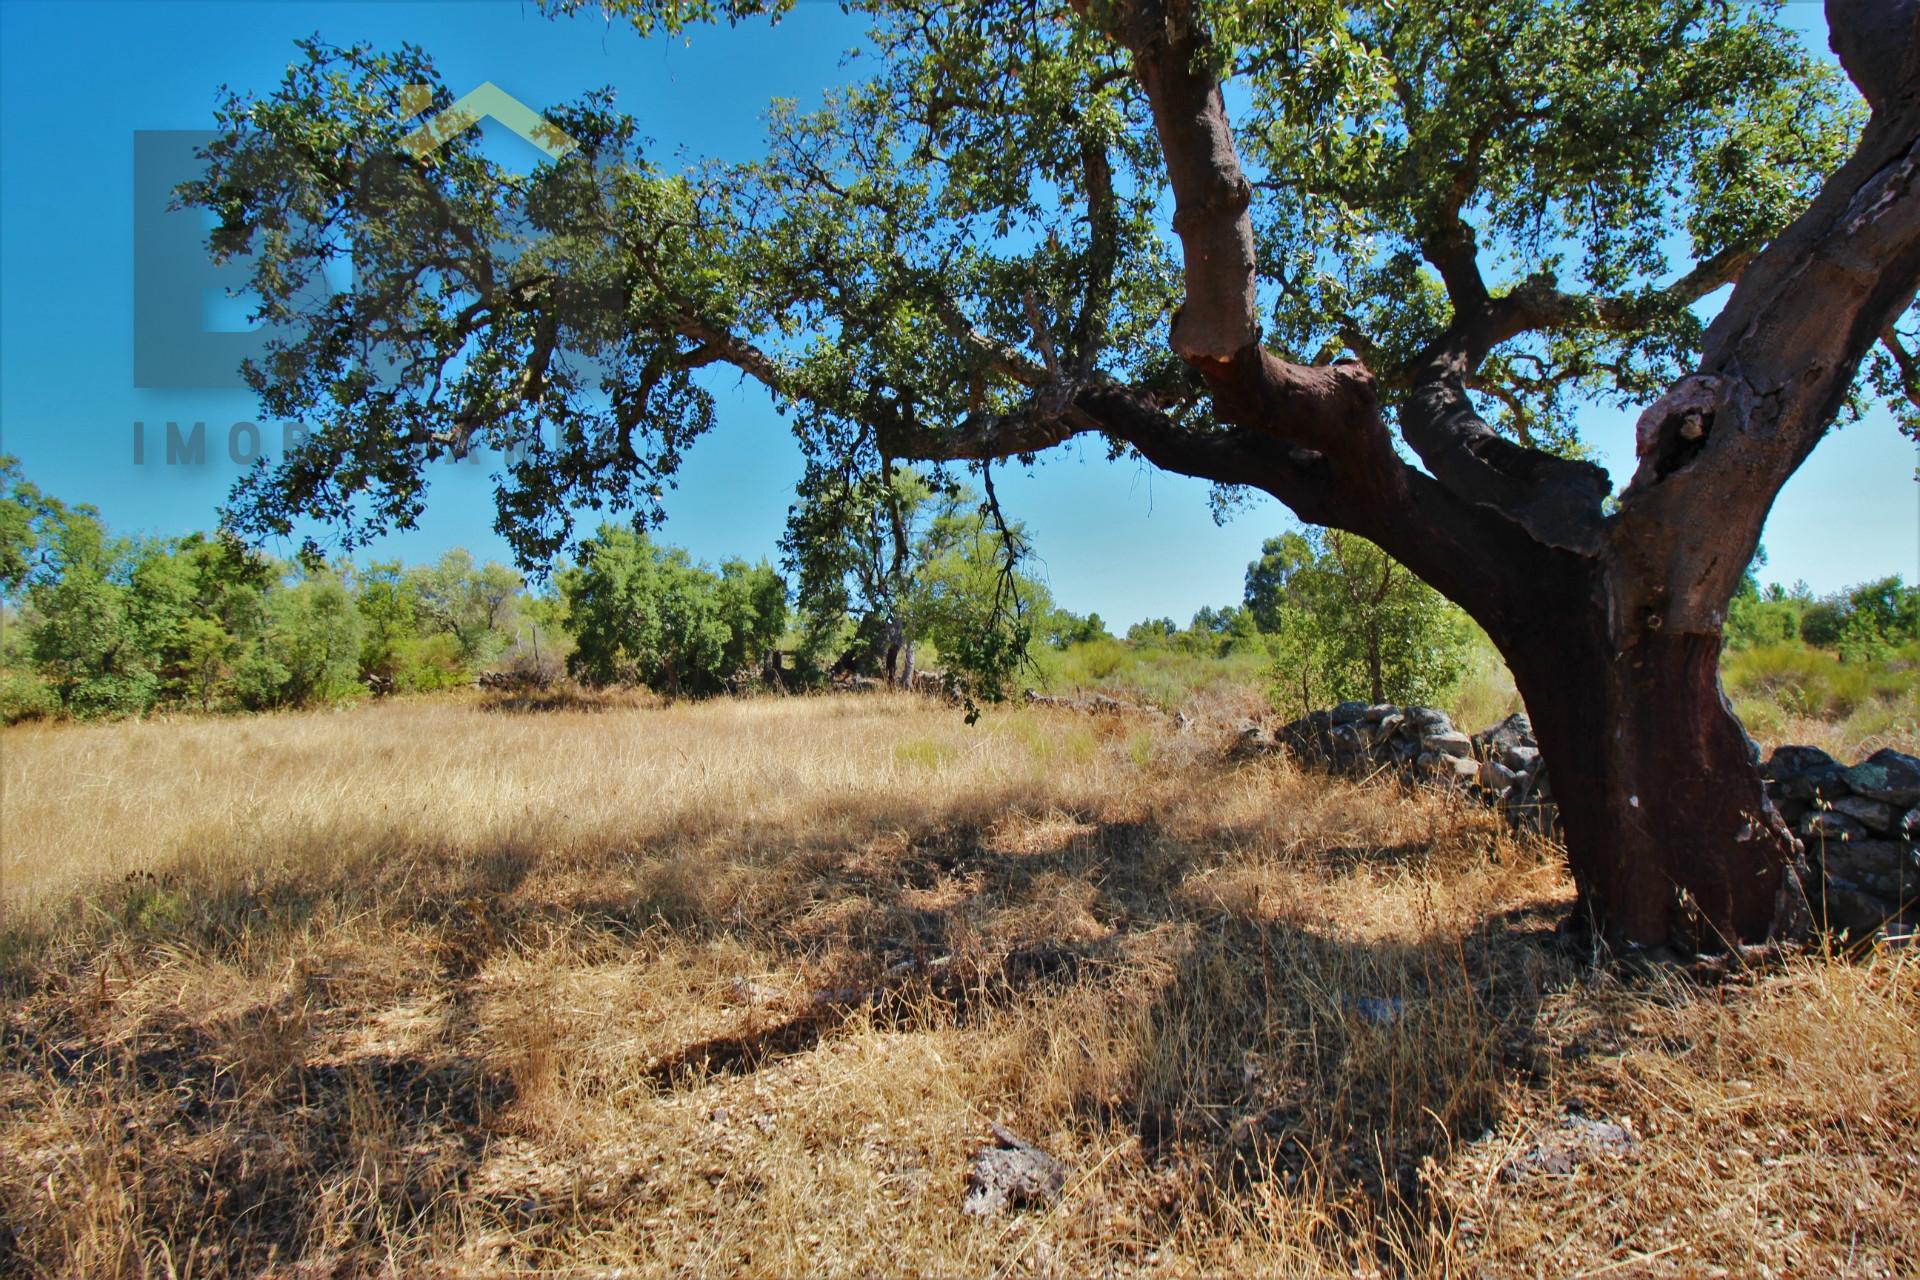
(1152, 631)
(753, 608)
(99, 625)
(28, 521)
(967, 596)
(85, 631)
(1864, 623)
(1347, 622)
(1772, 683)
(644, 614)
(25, 696)
(1062, 629)
(473, 604)
(994, 185)
(309, 652)
(889, 559)
(1158, 674)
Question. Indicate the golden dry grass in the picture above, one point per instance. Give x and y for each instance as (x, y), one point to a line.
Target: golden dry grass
(429, 989)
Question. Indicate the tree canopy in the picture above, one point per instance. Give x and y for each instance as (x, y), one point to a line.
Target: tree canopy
(941, 261)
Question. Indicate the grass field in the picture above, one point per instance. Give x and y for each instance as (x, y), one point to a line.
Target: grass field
(430, 988)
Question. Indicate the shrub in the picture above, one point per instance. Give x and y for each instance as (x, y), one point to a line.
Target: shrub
(25, 696)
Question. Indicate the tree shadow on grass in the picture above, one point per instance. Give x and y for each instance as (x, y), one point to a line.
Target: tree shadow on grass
(1260, 1047)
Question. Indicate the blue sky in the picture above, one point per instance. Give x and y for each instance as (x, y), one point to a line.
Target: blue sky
(77, 79)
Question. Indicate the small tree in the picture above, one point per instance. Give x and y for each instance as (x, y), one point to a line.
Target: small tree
(1351, 622)
(753, 607)
(309, 652)
(965, 596)
(646, 614)
(895, 557)
(472, 603)
(83, 636)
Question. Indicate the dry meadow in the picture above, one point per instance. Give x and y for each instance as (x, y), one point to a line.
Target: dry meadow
(457, 988)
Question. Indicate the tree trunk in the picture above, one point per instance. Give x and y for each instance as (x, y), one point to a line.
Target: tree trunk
(1670, 836)
(893, 654)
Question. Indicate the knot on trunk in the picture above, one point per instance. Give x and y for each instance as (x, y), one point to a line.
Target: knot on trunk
(1675, 428)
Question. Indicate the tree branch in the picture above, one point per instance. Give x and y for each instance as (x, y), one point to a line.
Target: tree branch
(1103, 254)
(1779, 359)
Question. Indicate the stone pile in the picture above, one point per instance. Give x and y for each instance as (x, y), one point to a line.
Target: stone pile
(1860, 825)
(1501, 764)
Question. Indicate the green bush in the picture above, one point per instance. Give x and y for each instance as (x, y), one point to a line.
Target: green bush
(1803, 681)
(25, 696)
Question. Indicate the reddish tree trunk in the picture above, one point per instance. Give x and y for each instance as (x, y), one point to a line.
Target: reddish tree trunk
(1669, 832)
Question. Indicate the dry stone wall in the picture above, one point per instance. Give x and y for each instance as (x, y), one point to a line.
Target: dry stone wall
(1859, 824)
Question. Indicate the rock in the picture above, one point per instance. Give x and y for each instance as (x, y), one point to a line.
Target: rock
(1858, 914)
(1575, 1142)
(1803, 773)
(1791, 762)
(1828, 825)
(1908, 828)
(1520, 759)
(1431, 719)
(1888, 869)
(1380, 711)
(1352, 738)
(1496, 778)
(1791, 811)
(1462, 770)
(1011, 1174)
(1251, 739)
(1348, 712)
(1450, 743)
(1515, 731)
(1875, 815)
(1887, 775)
(1828, 784)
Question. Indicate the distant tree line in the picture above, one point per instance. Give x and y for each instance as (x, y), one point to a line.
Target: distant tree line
(890, 571)
(97, 624)
(1865, 623)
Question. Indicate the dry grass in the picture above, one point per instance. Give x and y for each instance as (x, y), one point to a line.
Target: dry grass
(428, 989)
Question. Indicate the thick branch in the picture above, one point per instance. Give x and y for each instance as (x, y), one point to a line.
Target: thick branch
(1779, 359)
(1103, 254)
(1877, 42)
(999, 357)
(1210, 194)
(1556, 500)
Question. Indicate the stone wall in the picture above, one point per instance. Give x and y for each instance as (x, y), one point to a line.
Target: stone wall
(1501, 765)
(1859, 824)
